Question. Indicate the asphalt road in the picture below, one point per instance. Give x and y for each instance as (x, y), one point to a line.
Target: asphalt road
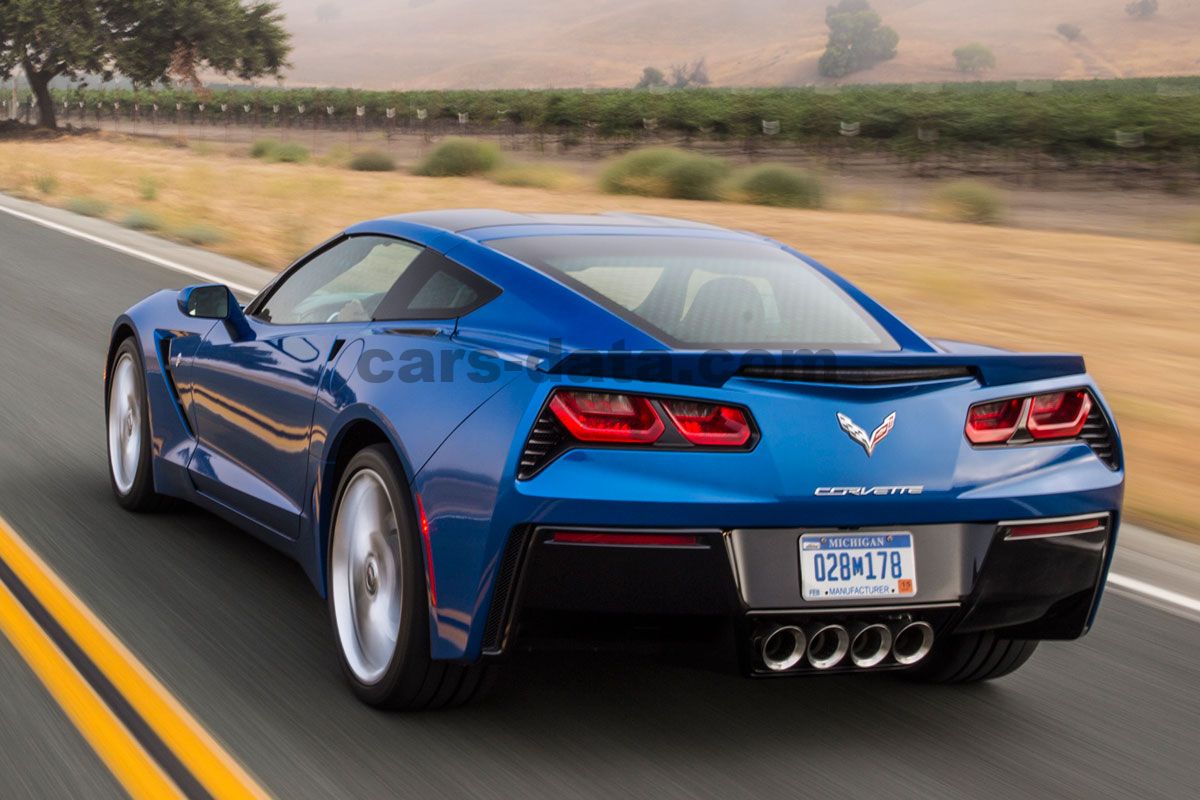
(237, 634)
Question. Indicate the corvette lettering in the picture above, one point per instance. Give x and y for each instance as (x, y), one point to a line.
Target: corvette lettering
(867, 491)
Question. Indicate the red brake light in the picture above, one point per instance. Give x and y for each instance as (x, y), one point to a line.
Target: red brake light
(993, 423)
(708, 424)
(1059, 415)
(607, 417)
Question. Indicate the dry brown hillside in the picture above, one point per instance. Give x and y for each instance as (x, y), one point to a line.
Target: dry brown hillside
(399, 44)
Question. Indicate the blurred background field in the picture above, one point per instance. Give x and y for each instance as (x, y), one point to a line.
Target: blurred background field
(1129, 304)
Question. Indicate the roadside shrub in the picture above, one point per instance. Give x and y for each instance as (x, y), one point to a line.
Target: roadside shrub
(142, 221)
(291, 153)
(535, 176)
(148, 188)
(372, 161)
(778, 185)
(274, 150)
(87, 206)
(666, 172)
(46, 183)
(458, 156)
(265, 149)
(970, 201)
(200, 234)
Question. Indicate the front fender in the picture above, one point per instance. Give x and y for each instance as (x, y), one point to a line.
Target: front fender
(160, 329)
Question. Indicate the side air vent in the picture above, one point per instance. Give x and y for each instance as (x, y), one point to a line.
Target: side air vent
(545, 443)
(503, 595)
(856, 375)
(1097, 433)
(165, 343)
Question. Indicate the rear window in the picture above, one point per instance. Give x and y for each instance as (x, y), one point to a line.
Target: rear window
(706, 292)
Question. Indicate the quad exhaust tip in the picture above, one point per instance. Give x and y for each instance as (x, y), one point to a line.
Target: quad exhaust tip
(782, 647)
(827, 646)
(912, 643)
(870, 645)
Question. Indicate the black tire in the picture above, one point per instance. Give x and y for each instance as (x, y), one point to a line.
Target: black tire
(139, 495)
(412, 680)
(971, 658)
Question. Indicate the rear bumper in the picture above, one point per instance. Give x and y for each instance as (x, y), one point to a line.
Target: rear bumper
(971, 577)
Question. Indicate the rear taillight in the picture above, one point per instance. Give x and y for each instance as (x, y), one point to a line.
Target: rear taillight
(1059, 415)
(992, 423)
(709, 424)
(1042, 417)
(608, 417)
(576, 417)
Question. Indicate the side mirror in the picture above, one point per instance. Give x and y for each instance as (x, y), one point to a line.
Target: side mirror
(207, 301)
(215, 301)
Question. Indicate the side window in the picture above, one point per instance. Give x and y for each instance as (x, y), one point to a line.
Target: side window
(345, 283)
(435, 288)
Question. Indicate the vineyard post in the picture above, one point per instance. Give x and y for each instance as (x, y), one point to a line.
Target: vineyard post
(423, 118)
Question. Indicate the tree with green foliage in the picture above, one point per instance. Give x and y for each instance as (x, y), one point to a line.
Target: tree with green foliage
(1069, 31)
(147, 41)
(974, 58)
(652, 78)
(1141, 9)
(858, 39)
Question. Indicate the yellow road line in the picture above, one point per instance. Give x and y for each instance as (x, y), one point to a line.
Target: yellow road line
(199, 752)
(115, 745)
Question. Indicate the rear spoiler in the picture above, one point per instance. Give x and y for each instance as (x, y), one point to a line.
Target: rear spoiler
(716, 367)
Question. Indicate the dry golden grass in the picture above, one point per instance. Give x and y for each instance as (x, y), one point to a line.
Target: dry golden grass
(1129, 305)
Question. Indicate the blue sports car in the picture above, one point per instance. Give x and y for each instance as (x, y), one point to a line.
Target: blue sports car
(479, 431)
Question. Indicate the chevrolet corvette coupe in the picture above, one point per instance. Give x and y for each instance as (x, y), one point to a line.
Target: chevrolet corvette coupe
(479, 431)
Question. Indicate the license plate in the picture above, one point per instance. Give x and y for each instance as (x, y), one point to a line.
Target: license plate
(857, 566)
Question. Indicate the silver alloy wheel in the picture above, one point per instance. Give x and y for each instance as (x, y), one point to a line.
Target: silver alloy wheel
(124, 424)
(366, 577)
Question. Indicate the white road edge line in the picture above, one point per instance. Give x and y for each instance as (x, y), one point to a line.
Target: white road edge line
(1133, 585)
(130, 251)
(1152, 592)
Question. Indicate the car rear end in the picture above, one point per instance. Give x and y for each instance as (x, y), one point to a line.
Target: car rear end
(841, 506)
